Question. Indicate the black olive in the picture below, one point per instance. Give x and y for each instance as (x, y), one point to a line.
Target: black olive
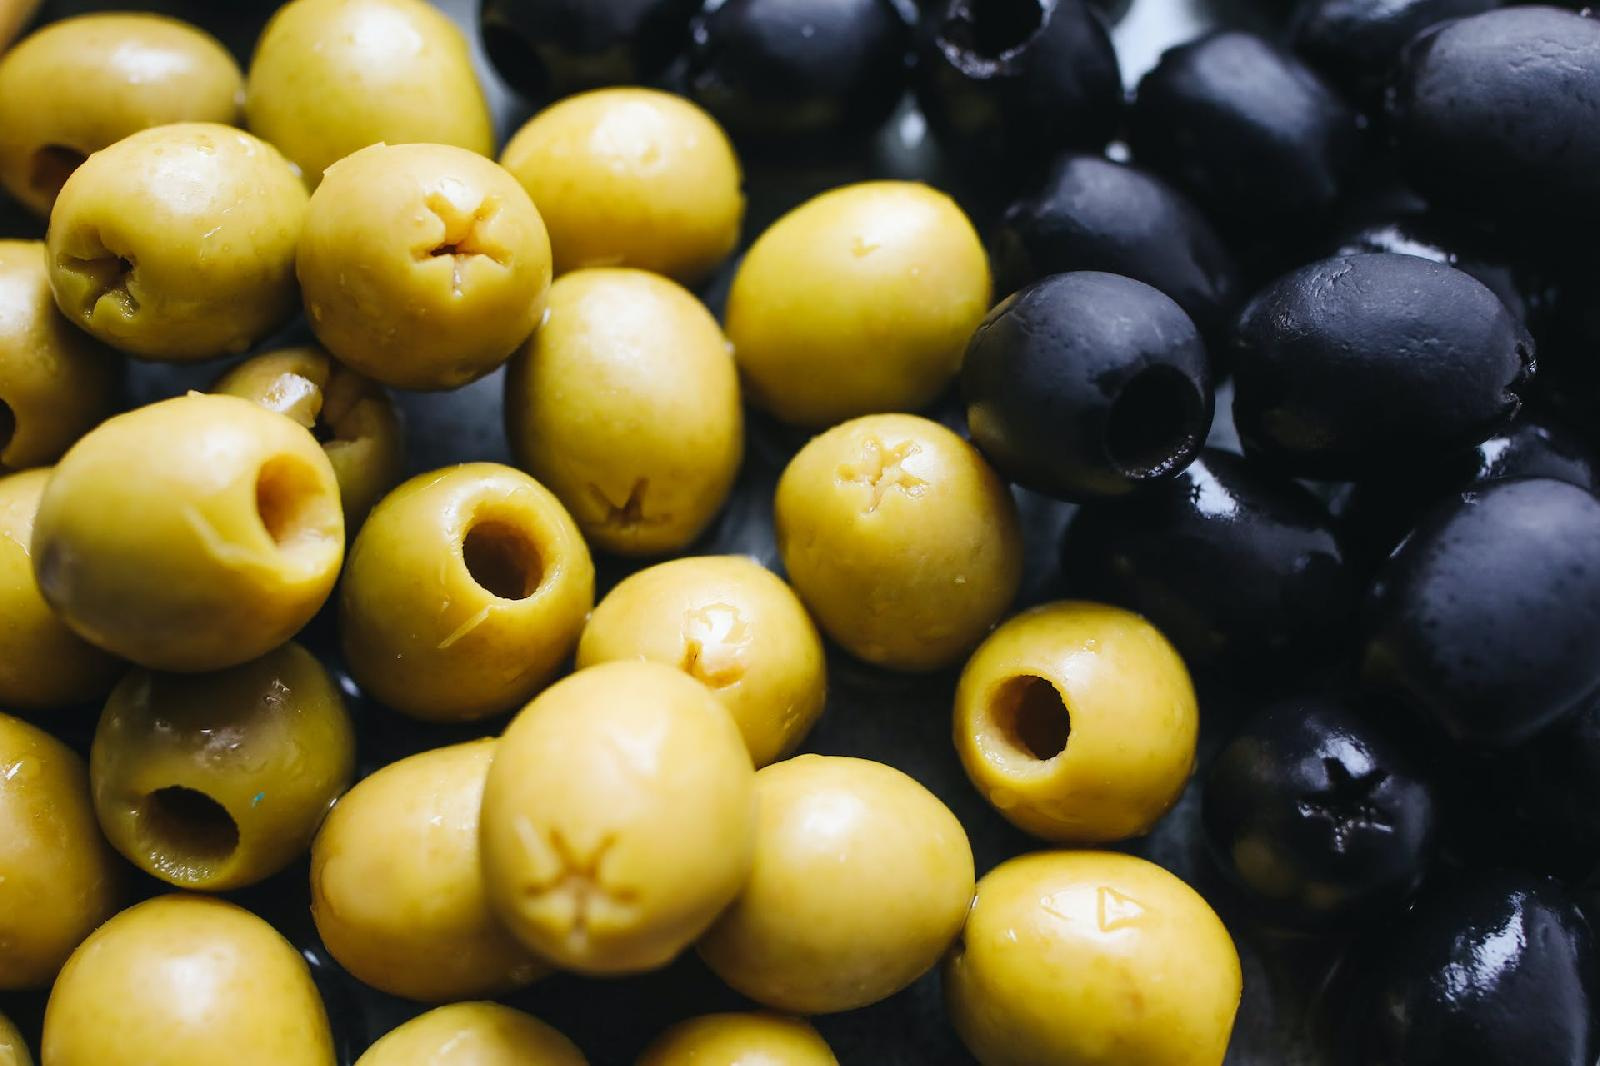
(1417, 234)
(1351, 364)
(546, 49)
(1235, 564)
(1549, 794)
(788, 74)
(1007, 84)
(1246, 128)
(1487, 618)
(1094, 214)
(1316, 816)
(1087, 384)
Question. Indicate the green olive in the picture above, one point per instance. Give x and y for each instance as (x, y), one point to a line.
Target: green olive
(61, 880)
(43, 664)
(901, 540)
(352, 416)
(193, 534)
(754, 1039)
(185, 981)
(396, 888)
(423, 266)
(13, 1050)
(14, 15)
(626, 404)
(216, 781)
(862, 879)
(465, 592)
(618, 819)
(75, 86)
(473, 1034)
(55, 381)
(330, 77)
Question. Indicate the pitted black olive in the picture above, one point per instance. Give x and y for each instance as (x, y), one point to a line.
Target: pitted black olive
(546, 49)
(1085, 385)
(1403, 233)
(1350, 365)
(1094, 214)
(1487, 618)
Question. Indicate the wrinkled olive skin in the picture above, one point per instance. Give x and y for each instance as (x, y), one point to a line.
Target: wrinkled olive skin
(735, 1040)
(13, 1051)
(473, 1034)
(181, 980)
(1486, 617)
(61, 879)
(80, 84)
(330, 77)
(1247, 129)
(1087, 385)
(1002, 92)
(1498, 970)
(1316, 816)
(1355, 44)
(546, 49)
(216, 814)
(1235, 564)
(1349, 365)
(1091, 213)
(1492, 115)
(1427, 237)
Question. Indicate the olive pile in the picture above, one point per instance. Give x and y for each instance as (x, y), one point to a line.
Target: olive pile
(480, 592)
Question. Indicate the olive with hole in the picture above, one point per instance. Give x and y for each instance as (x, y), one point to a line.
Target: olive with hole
(75, 86)
(216, 781)
(13, 1050)
(1087, 385)
(733, 1039)
(61, 880)
(1078, 722)
(1351, 365)
(423, 266)
(473, 1034)
(181, 980)
(465, 591)
(177, 243)
(193, 534)
(546, 49)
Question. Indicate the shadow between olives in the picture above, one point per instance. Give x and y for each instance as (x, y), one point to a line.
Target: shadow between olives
(503, 559)
(51, 166)
(980, 32)
(188, 833)
(1031, 717)
(8, 425)
(1154, 423)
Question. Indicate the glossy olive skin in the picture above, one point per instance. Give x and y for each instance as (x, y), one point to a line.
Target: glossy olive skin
(203, 814)
(180, 980)
(1087, 385)
(13, 1051)
(548, 49)
(1487, 640)
(1235, 564)
(77, 85)
(61, 879)
(1319, 818)
(473, 1034)
(1348, 363)
(1245, 128)
(1016, 82)
(736, 1039)
(1091, 213)
(1497, 970)
(1355, 44)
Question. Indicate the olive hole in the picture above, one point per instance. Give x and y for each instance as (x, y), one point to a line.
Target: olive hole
(187, 830)
(1154, 423)
(291, 502)
(1031, 716)
(8, 425)
(990, 29)
(503, 559)
(52, 166)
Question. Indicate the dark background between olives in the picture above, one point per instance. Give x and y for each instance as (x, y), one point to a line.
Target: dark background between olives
(898, 720)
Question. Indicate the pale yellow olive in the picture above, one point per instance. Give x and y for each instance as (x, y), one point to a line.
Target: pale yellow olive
(13, 1050)
(396, 888)
(754, 1039)
(473, 1034)
(626, 404)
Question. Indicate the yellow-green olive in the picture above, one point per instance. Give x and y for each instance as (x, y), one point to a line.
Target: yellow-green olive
(900, 539)
(13, 1051)
(396, 888)
(177, 243)
(858, 301)
(185, 981)
(216, 781)
(734, 626)
(473, 1034)
(55, 381)
(352, 416)
(1078, 722)
(618, 819)
(330, 77)
(466, 590)
(61, 880)
(43, 664)
(634, 178)
(862, 879)
(194, 534)
(754, 1039)
(626, 404)
(14, 14)
(1092, 959)
(75, 86)
(423, 266)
